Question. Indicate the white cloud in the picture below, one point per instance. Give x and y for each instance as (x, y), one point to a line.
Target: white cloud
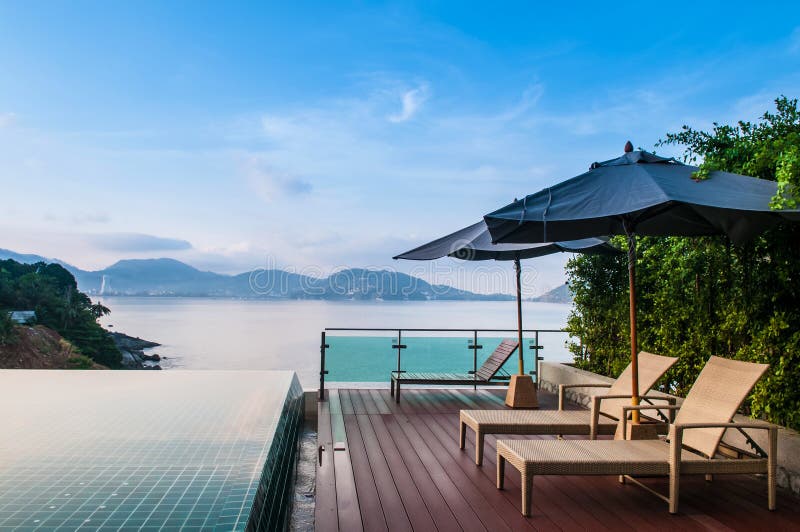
(411, 102)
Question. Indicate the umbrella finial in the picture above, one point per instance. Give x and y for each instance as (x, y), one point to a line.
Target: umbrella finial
(628, 147)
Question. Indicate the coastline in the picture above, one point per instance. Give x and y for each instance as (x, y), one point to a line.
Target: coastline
(133, 352)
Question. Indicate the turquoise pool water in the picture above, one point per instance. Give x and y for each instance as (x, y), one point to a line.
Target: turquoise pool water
(129, 450)
(371, 358)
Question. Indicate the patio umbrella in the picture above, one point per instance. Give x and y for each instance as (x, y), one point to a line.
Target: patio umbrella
(641, 193)
(475, 243)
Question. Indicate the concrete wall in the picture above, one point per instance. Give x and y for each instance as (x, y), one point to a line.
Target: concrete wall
(552, 374)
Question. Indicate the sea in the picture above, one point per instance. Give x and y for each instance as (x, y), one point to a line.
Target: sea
(210, 333)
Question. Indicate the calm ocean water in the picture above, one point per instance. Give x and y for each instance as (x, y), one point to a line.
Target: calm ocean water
(207, 333)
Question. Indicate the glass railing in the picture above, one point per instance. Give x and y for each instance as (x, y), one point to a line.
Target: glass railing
(369, 356)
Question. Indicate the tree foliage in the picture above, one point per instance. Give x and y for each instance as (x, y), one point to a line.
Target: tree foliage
(52, 292)
(699, 297)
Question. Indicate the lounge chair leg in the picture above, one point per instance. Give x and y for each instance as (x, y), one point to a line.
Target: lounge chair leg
(462, 435)
(709, 477)
(675, 469)
(501, 471)
(397, 392)
(772, 468)
(391, 387)
(527, 487)
(479, 447)
(674, 490)
(622, 479)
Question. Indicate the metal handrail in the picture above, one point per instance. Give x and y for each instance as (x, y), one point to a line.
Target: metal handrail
(331, 329)
(399, 346)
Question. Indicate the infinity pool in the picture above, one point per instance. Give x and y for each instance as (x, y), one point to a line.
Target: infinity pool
(191, 450)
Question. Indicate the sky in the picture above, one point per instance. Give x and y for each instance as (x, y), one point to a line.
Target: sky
(317, 135)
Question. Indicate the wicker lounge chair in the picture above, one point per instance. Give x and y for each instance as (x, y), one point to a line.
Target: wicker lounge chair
(693, 445)
(601, 420)
(486, 374)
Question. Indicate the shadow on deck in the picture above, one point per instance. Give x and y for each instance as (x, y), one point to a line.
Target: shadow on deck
(390, 466)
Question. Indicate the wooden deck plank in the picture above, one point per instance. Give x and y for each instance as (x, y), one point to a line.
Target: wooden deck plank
(369, 403)
(381, 402)
(347, 507)
(391, 503)
(346, 402)
(357, 402)
(426, 481)
(369, 502)
(467, 514)
(487, 503)
(416, 509)
(403, 469)
(326, 515)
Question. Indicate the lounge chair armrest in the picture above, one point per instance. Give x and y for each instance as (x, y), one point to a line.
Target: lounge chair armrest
(563, 387)
(630, 408)
(729, 425)
(677, 436)
(398, 371)
(670, 400)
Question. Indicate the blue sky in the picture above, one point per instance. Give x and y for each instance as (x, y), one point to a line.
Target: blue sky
(314, 135)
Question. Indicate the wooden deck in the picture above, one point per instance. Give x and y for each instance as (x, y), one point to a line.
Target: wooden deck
(398, 467)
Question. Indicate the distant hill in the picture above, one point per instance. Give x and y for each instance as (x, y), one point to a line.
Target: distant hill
(559, 294)
(169, 277)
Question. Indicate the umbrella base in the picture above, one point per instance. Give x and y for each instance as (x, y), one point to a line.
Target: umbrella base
(522, 392)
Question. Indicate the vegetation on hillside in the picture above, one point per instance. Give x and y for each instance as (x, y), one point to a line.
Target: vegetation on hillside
(699, 297)
(52, 292)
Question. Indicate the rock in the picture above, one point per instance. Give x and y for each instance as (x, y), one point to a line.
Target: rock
(131, 361)
(132, 349)
(125, 342)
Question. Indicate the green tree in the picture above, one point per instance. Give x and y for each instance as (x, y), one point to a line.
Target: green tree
(52, 292)
(702, 296)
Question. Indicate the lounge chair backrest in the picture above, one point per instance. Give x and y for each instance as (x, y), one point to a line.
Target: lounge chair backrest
(714, 398)
(493, 364)
(651, 368)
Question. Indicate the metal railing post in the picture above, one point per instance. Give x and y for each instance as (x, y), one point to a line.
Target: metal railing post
(399, 346)
(536, 358)
(322, 370)
(474, 359)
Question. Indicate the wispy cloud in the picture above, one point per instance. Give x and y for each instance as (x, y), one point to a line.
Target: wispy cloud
(7, 119)
(411, 102)
(81, 218)
(136, 242)
(270, 183)
(794, 41)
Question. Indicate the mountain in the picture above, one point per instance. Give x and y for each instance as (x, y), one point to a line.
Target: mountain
(559, 294)
(169, 277)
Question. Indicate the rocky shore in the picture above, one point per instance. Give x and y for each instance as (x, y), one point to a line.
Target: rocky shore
(133, 355)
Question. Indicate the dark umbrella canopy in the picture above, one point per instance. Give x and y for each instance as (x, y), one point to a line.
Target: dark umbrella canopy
(475, 243)
(652, 195)
(641, 193)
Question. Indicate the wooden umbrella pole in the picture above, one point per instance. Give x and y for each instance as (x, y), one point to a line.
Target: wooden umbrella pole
(518, 268)
(632, 303)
